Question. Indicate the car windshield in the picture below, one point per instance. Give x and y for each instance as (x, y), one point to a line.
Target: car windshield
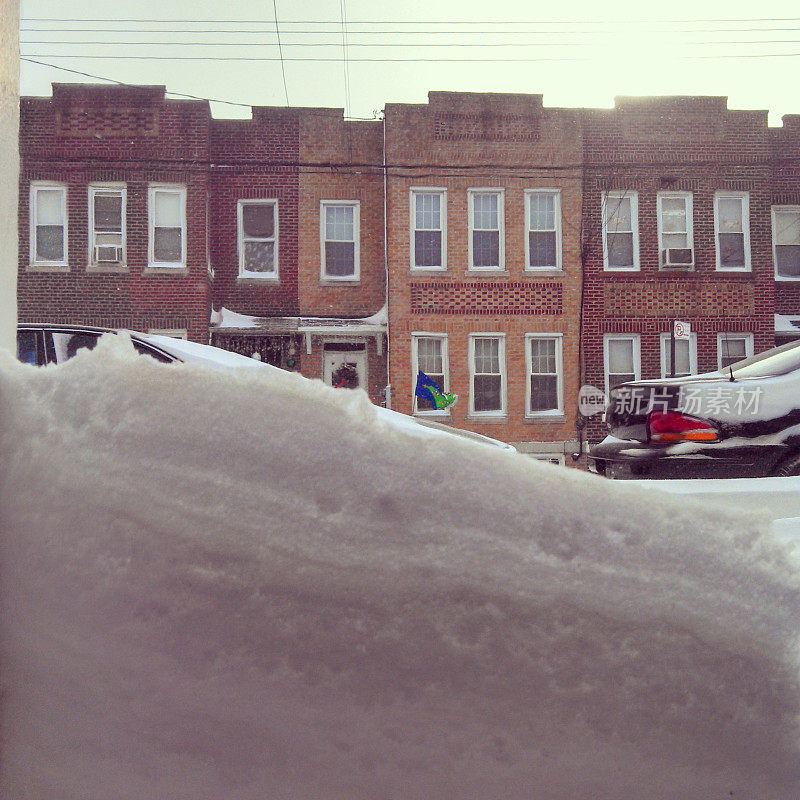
(777, 361)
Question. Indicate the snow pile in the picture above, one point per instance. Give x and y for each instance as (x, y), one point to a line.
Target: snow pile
(245, 585)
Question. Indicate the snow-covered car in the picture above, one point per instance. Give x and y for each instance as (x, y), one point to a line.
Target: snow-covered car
(738, 422)
(41, 344)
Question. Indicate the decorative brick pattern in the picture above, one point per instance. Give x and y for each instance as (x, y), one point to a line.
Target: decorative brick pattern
(482, 127)
(673, 299)
(478, 297)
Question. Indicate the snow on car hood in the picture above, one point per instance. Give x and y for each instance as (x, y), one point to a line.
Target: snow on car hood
(243, 585)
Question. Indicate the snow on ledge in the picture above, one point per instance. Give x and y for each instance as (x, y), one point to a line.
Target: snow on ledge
(784, 324)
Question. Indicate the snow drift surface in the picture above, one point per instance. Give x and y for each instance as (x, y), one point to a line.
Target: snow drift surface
(232, 585)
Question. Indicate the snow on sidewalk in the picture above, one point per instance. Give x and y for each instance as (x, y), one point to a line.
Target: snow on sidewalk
(245, 585)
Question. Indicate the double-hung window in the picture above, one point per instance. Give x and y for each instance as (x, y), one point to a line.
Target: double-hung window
(685, 356)
(621, 356)
(486, 229)
(429, 355)
(786, 242)
(732, 224)
(675, 235)
(106, 225)
(428, 228)
(543, 359)
(258, 238)
(167, 226)
(620, 230)
(487, 372)
(543, 229)
(48, 225)
(339, 240)
(733, 347)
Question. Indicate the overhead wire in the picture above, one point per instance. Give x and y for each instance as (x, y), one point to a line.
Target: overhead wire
(280, 50)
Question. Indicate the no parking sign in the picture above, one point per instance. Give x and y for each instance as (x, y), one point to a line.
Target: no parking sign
(681, 330)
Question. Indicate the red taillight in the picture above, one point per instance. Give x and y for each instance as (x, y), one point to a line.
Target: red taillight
(672, 426)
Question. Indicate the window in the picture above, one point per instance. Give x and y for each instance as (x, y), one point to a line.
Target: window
(428, 220)
(675, 236)
(731, 220)
(48, 225)
(258, 238)
(486, 244)
(339, 240)
(167, 223)
(685, 356)
(106, 225)
(621, 358)
(487, 374)
(429, 355)
(620, 231)
(733, 347)
(543, 226)
(544, 367)
(786, 241)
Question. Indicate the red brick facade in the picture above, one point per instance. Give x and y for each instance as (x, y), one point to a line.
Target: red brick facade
(338, 186)
(687, 146)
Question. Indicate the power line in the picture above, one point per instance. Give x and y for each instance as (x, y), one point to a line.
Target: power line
(280, 50)
(133, 85)
(331, 59)
(343, 14)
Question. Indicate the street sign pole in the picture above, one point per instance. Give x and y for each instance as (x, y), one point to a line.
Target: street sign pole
(672, 350)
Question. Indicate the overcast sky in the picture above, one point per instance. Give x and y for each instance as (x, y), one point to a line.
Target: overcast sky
(572, 52)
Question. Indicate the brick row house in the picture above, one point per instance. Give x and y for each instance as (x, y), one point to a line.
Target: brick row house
(509, 250)
(484, 211)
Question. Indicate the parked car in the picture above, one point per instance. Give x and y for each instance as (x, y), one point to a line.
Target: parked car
(740, 421)
(42, 344)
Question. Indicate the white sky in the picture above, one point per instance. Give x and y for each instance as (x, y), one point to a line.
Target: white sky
(583, 56)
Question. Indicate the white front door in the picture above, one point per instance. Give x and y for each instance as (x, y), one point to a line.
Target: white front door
(345, 369)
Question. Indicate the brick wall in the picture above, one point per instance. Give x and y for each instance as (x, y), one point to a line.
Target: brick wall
(692, 144)
(460, 141)
(130, 136)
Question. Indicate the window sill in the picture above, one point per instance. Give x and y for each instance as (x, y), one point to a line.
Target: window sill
(434, 415)
(489, 272)
(340, 282)
(734, 270)
(47, 268)
(100, 268)
(163, 270)
(621, 269)
(252, 280)
(550, 272)
(426, 271)
(535, 419)
(787, 278)
(497, 418)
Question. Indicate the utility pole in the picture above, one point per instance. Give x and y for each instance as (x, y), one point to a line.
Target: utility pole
(9, 174)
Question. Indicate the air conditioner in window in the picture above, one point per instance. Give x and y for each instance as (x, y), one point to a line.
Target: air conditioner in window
(108, 253)
(677, 257)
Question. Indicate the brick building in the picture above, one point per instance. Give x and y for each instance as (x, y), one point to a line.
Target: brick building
(676, 199)
(112, 211)
(484, 217)
(509, 250)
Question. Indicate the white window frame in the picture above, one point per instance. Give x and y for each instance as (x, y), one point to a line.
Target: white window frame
(501, 354)
(174, 333)
(412, 206)
(689, 210)
(244, 273)
(556, 193)
(356, 206)
(415, 337)
(664, 353)
(634, 198)
(152, 190)
(637, 354)
(100, 188)
(748, 344)
(745, 198)
(37, 186)
(779, 209)
(501, 223)
(552, 412)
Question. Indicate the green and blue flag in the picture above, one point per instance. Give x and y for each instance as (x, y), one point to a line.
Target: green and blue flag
(429, 390)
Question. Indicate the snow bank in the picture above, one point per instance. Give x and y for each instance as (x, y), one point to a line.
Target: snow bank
(245, 585)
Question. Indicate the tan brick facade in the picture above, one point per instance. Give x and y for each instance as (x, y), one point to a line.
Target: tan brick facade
(459, 142)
